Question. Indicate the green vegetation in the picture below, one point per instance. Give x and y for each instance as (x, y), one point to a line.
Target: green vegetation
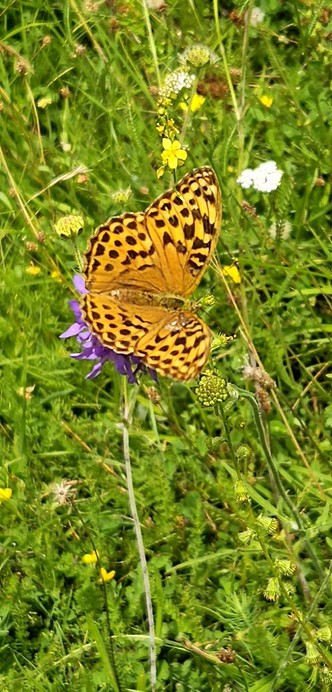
(233, 499)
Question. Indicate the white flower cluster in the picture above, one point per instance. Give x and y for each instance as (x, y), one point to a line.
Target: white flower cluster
(176, 81)
(264, 178)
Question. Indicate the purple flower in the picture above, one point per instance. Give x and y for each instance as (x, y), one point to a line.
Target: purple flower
(93, 349)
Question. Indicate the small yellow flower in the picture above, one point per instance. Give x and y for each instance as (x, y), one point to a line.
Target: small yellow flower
(268, 524)
(207, 301)
(285, 567)
(312, 654)
(232, 271)
(106, 576)
(266, 100)
(56, 275)
(220, 341)
(44, 102)
(5, 494)
(173, 153)
(241, 494)
(90, 558)
(33, 270)
(195, 103)
(272, 592)
(121, 196)
(69, 226)
(246, 536)
(324, 634)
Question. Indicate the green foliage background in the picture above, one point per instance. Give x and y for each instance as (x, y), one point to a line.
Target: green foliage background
(95, 63)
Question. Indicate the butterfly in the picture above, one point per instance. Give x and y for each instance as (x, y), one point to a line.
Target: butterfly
(140, 269)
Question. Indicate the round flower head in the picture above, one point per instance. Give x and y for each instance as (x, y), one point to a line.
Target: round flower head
(93, 349)
(69, 226)
(198, 55)
(267, 177)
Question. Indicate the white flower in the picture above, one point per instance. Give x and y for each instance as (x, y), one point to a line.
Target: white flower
(264, 178)
(280, 229)
(246, 179)
(267, 177)
(176, 81)
(257, 16)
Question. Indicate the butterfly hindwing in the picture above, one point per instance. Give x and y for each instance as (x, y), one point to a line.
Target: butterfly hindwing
(174, 343)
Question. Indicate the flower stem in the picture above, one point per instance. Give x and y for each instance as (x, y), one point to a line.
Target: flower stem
(277, 479)
(127, 409)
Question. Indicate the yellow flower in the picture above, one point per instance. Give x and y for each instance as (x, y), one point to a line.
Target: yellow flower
(173, 153)
(33, 270)
(56, 275)
(266, 100)
(90, 558)
(233, 272)
(69, 226)
(195, 103)
(106, 576)
(5, 494)
(44, 102)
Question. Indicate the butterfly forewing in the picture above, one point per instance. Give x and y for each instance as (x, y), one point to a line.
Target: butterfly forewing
(184, 226)
(165, 249)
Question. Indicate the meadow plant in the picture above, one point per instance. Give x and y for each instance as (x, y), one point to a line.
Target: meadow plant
(157, 533)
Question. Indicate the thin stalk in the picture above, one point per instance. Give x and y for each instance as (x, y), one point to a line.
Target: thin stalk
(228, 438)
(151, 40)
(187, 115)
(277, 479)
(224, 60)
(139, 538)
(303, 626)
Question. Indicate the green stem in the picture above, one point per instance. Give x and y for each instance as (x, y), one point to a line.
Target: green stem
(228, 438)
(187, 113)
(224, 60)
(151, 40)
(277, 479)
(127, 412)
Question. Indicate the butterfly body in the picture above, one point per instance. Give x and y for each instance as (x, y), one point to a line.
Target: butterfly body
(141, 267)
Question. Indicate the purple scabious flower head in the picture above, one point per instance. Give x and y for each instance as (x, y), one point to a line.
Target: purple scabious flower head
(93, 349)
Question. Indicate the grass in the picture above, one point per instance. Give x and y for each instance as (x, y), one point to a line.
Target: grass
(233, 500)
